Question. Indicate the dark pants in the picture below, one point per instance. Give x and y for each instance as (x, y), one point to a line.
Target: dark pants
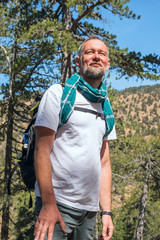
(79, 223)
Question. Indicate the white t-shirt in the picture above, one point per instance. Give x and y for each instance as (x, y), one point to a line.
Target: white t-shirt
(75, 156)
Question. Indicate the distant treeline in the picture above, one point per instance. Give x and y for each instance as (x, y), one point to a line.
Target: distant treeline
(144, 88)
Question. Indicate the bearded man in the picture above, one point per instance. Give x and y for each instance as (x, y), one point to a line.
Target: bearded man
(73, 128)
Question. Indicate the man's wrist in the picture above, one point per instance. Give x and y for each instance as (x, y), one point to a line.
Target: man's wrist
(106, 213)
(48, 198)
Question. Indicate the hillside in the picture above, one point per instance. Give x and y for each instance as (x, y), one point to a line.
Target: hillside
(139, 110)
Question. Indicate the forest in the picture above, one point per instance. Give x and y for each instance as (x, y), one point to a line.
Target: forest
(38, 45)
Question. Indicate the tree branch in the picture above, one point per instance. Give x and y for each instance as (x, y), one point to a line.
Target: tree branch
(88, 9)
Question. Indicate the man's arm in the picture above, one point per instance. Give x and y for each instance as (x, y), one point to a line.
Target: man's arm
(49, 213)
(105, 191)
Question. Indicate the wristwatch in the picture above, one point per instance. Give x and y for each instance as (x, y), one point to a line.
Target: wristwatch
(106, 213)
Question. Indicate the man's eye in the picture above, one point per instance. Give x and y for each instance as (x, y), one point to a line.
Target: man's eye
(89, 52)
(103, 54)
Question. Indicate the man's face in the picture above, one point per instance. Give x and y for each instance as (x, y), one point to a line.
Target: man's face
(94, 61)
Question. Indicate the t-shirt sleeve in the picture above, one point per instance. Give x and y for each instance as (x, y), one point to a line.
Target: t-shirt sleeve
(49, 108)
(112, 135)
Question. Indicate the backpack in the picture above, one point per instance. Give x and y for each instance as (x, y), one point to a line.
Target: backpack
(28, 145)
(26, 157)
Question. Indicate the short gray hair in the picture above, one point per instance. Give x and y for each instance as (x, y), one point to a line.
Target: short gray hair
(90, 38)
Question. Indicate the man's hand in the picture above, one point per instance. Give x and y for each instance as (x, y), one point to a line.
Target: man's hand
(48, 217)
(49, 214)
(107, 230)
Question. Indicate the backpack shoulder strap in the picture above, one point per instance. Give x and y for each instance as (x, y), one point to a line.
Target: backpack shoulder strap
(34, 108)
(98, 114)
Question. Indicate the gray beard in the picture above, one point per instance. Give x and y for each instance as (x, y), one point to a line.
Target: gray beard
(93, 73)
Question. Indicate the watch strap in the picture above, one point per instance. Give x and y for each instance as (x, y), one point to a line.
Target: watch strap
(106, 213)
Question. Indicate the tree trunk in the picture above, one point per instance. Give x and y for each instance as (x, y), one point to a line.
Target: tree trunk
(66, 70)
(8, 158)
(8, 155)
(143, 203)
(66, 66)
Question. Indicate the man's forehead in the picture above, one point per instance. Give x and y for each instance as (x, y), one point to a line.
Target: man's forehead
(95, 44)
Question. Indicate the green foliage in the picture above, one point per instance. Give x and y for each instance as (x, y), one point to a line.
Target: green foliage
(129, 160)
(125, 219)
(23, 217)
(153, 217)
(34, 37)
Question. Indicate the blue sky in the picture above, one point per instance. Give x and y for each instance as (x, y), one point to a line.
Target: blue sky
(138, 35)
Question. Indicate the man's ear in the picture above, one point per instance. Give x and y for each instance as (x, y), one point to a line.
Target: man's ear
(108, 65)
(77, 61)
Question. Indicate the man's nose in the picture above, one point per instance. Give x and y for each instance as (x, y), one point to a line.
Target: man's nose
(96, 56)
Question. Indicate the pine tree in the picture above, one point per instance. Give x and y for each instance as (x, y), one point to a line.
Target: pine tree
(19, 61)
(38, 44)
